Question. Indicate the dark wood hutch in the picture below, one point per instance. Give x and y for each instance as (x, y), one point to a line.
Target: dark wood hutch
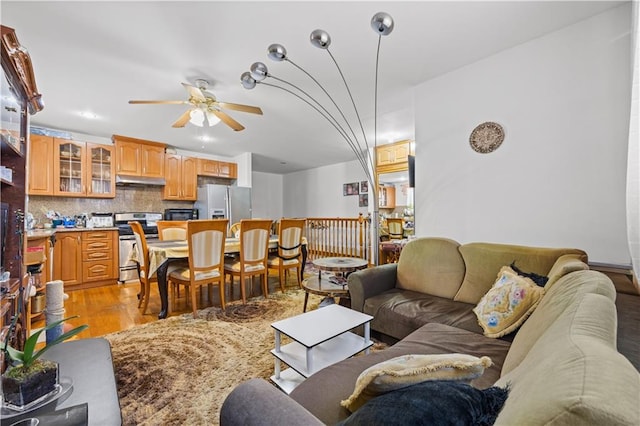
(20, 98)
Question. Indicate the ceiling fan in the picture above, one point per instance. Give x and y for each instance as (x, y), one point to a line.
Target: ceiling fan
(205, 107)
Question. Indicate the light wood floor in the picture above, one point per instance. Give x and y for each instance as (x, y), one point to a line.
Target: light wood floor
(113, 308)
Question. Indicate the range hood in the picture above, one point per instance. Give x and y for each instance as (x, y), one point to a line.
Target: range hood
(139, 180)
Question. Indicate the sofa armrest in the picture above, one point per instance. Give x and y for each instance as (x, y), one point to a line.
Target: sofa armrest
(366, 283)
(564, 265)
(257, 402)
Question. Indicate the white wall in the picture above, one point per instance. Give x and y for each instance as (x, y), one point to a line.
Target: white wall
(266, 195)
(244, 162)
(559, 177)
(318, 192)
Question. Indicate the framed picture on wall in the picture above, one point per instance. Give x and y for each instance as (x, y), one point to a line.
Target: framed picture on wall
(363, 200)
(364, 187)
(350, 189)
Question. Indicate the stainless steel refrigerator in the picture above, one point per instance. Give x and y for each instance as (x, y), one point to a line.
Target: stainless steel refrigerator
(224, 202)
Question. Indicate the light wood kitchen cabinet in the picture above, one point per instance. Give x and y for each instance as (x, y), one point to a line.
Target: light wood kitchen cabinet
(137, 157)
(387, 197)
(181, 178)
(393, 153)
(227, 170)
(69, 169)
(78, 169)
(67, 258)
(85, 259)
(101, 168)
(99, 259)
(217, 168)
(207, 167)
(40, 166)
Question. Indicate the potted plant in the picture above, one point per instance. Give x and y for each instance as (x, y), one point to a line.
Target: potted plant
(29, 378)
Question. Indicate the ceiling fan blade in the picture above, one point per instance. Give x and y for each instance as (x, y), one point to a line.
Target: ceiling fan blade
(240, 107)
(194, 92)
(228, 120)
(184, 118)
(158, 102)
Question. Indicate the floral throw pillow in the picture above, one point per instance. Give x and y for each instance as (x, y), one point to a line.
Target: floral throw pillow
(508, 304)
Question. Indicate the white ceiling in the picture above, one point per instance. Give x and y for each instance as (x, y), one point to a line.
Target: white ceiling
(97, 56)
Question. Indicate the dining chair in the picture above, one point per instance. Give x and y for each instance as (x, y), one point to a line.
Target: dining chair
(172, 230)
(254, 245)
(234, 230)
(169, 230)
(396, 230)
(142, 255)
(206, 240)
(289, 252)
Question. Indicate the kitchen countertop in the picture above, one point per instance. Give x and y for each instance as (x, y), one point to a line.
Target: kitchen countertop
(44, 233)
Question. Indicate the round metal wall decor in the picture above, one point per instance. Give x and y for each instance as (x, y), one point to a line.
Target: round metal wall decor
(486, 137)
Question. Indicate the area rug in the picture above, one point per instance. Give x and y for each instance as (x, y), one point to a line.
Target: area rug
(178, 371)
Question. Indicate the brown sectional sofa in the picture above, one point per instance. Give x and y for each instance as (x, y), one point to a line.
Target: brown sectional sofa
(561, 365)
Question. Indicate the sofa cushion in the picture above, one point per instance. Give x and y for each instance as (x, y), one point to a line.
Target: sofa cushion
(561, 296)
(508, 304)
(564, 265)
(431, 265)
(484, 260)
(432, 403)
(398, 313)
(407, 370)
(573, 373)
(432, 338)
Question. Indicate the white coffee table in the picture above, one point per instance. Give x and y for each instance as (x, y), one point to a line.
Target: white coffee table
(320, 338)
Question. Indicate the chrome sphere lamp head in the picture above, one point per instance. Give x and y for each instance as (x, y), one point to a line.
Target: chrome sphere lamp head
(277, 52)
(320, 39)
(259, 71)
(247, 81)
(382, 23)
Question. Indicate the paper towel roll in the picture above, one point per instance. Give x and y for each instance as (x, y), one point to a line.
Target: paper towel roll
(55, 295)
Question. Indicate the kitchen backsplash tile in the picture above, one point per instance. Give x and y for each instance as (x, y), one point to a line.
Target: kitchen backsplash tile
(128, 199)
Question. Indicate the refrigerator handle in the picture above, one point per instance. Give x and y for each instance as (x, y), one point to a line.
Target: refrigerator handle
(228, 206)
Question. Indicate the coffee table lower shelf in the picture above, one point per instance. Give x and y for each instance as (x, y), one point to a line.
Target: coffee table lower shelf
(288, 381)
(306, 361)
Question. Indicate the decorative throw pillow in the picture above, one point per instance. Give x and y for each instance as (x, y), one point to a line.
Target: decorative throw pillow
(432, 403)
(507, 304)
(540, 280)
(407, 370)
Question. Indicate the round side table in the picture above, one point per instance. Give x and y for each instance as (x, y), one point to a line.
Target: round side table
(335, 286)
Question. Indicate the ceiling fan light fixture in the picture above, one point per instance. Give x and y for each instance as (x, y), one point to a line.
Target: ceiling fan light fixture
(196, 117)
(212, 119)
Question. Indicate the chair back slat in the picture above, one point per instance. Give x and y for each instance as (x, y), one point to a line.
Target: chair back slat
(290, 238)
(254, 241)
(206, 244)
(140, 246)
(172, 230)
(207, 248)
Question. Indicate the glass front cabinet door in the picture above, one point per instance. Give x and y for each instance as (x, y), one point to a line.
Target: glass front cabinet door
(83, 169)
(69, 171)
(101, 171)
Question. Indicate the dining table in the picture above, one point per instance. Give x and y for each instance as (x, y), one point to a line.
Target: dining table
(163, 253)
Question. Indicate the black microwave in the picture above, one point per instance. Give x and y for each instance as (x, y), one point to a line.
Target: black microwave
(180, 214)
